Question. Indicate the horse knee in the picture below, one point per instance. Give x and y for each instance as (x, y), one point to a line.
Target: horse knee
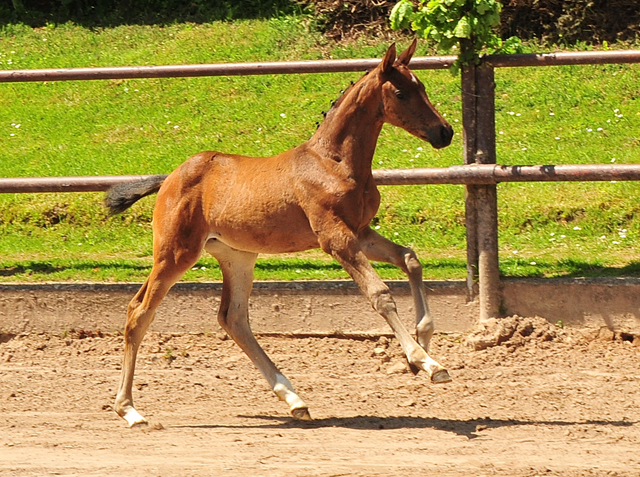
(384, 303)
(411, 262)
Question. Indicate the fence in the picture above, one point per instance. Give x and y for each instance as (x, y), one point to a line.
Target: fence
(480, 173)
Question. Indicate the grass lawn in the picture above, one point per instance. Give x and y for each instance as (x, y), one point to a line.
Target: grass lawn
(554, 115)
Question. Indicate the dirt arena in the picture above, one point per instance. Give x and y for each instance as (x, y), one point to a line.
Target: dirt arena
(535, 400)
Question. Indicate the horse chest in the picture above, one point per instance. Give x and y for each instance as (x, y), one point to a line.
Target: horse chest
(356, 206)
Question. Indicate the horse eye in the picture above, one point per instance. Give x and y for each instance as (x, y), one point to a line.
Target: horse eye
(399, 94)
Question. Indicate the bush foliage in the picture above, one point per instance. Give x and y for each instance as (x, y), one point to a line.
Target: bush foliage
(568, 21)
(553, 21)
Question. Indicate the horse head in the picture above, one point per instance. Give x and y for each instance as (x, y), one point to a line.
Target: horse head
(405, 101)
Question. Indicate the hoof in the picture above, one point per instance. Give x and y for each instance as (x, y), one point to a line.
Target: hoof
(440, 377)
(301, 414)
(413, 368)
(133, 418)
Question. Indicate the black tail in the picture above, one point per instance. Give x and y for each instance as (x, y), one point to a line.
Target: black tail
(122, 196)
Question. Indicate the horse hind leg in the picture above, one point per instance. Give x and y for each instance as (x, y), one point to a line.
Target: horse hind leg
(233, 316)
(140, 314)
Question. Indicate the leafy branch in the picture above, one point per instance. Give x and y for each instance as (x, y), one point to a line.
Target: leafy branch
(469, 25)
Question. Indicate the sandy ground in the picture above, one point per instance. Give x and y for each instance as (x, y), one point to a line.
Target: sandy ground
(543, 401)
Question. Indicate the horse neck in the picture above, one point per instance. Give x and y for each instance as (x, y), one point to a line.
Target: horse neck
(351, 128)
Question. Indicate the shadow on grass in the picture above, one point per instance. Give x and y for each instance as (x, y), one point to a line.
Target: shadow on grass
(278, 268)
(567, 268)
(51, 268)
(470, 428)
(111, 13)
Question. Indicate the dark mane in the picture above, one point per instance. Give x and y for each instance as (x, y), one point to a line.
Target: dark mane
(335, 103)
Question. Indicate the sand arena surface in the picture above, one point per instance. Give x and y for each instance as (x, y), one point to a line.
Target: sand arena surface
(534, 400)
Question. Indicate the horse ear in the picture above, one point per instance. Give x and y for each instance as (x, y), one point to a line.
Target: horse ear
(389, 59)
(405, 56)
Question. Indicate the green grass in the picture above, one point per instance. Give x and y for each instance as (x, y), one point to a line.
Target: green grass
(554, 115)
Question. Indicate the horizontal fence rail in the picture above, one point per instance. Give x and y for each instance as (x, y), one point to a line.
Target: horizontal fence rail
(310, 66)
(221, 69)
(469, 174)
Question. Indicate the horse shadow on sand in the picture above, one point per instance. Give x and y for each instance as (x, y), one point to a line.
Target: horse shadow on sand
(470, 428)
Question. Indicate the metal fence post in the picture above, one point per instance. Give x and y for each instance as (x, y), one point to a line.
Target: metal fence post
(487, 201)
(469, 134)
(481, 209)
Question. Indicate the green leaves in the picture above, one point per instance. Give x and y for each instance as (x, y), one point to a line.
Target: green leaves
(401, 15)
(463, 28)
(450, 22)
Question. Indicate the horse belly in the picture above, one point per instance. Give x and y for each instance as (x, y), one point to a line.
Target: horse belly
(253, 230)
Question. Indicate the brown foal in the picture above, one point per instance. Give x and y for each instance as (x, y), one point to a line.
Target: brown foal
(319, 194)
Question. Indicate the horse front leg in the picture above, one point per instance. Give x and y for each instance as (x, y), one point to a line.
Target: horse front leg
(379, 249)
(346, 249)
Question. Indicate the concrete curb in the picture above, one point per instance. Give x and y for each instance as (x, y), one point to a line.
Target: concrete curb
(316, 307)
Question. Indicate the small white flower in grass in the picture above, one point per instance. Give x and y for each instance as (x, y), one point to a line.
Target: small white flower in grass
(501, 132)
(615, 242)
(557, 138)
(613, 159)
(396, 233)
(203, 268)
(298, 271)
(168, 122)
(419, 148)
(518, 114)
(11, 134)
(511, 113)
(589, 130)
(563, 236)
(515, 252)
(282, 115)
(176, 127)
(380, 162)
(613, 182)
(603, 237)
(616, 110)
(532, 263)
(552, 114)
(417, 156)
(577, 228)
(552, 234)
(524, 148)
(600, 129)
(377, 227)
(552, 239)
(17, 126)
(404, 150)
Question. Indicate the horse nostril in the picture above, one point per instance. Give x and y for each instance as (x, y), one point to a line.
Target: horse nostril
(447, 134)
